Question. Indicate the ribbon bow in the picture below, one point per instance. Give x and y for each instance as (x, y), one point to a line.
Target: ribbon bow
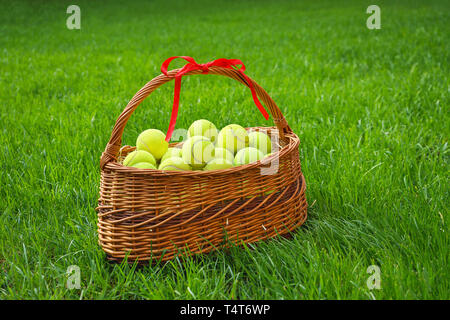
(191, 66)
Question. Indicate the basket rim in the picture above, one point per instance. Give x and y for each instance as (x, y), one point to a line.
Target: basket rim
(294, 142)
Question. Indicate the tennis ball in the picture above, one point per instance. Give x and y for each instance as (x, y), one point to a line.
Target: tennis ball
(260, 141)
(143, 165)
(139, 156)
(197, 151)
(171, 152)
(174, 163)
(153, 141)
(232, 137)
(203, 128)
(247, 155)
(217, 164)
(222, 153)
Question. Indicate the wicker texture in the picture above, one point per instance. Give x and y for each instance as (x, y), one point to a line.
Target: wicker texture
(152, 214)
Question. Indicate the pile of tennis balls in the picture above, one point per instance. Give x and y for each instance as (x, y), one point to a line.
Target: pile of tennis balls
(206, 148)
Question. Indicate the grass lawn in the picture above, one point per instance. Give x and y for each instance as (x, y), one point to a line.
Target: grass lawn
(371, 108)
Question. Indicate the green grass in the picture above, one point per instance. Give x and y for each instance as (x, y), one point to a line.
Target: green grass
(371, 108)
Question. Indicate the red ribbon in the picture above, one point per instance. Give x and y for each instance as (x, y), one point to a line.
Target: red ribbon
(191, 66)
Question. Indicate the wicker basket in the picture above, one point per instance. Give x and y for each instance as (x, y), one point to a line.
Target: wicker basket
(150, 214)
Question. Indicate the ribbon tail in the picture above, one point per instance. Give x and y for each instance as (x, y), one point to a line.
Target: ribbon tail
(176, 102)
(255, 97)
(259, 105)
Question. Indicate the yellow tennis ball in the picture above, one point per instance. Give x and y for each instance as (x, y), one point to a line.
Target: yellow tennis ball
(247, 155)
(260, 141)
(203, 128)
(139, 156)
(218, 164)
(222, 153)
(143, 165)
(197, 151)
(171, 152)
(232, 137)
(153, 141)
(174, 163)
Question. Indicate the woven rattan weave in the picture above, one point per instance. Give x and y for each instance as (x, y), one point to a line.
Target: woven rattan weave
(146, 214)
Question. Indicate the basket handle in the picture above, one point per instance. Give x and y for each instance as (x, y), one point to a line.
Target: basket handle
(113, 147)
